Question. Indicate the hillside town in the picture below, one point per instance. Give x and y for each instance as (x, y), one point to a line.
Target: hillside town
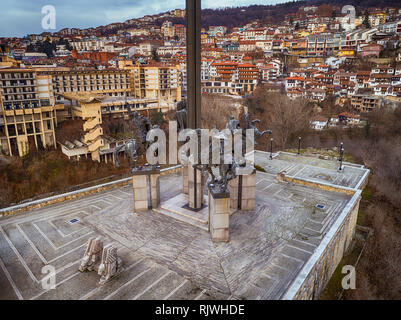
(215, 154)
(317, 54)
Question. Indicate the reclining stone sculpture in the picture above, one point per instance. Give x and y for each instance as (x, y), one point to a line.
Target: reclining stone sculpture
(92, 255)
(111, 264)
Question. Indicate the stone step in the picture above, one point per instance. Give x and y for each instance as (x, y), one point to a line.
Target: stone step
(202, 224)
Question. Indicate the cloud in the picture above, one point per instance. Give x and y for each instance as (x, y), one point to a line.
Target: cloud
(22, 17)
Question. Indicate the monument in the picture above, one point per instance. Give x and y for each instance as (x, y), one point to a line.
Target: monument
(111, 264)
(145, 179)
(103, 260)
(92, 255)
(227, 191)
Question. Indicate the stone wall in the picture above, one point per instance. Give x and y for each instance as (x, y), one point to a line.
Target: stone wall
(76, 194)
(316, 273)
(319, 185)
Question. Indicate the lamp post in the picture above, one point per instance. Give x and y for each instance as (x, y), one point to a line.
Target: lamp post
(299, 145)
(341, 156)
(271, 148)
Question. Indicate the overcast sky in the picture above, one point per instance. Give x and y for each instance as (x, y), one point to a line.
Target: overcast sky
(22, 17)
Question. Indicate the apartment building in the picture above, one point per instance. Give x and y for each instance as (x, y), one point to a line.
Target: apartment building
(88, 45)
(27, 111)
(231, 77)
(158, 81)
(255, 34)
(322, 44)
(365, 103)
(294, 82)
(110, 82)
(268, 73)
(168, 29)
(147, 47)
(180, 13)
(248, 75)
(180, 31)
(377, 18)
(138, 32)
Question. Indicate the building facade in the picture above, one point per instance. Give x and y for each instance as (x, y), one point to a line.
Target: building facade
(156, 81)
(27, 112)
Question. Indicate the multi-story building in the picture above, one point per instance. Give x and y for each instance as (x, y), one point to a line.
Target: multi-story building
(254, 34)
(365, 103)
(180, 31)
(323, 44)
(27, 111)
(205, 69)
(247, 45)
(88, 45)
(248, 75)
(226, 71)
(147, 47)
(294, 82)
(376, 18)
(91, 109)
(231, 77)
(110, 82)
(269, 73)
(265, 45)
(180, 13)
(168, 29)
(134, 32)
(157, 81)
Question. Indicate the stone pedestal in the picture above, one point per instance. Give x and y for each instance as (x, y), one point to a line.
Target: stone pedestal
(248, 184)
(233, 187)
(196, 184)
(185, 179)
(155, 189)
(140, 190)
(219, 215)
(242, 192)
(146, 189)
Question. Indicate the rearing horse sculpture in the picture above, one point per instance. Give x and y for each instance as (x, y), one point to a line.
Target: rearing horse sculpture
(132, 147)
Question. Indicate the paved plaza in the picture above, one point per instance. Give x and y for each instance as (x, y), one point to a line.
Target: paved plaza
(165, 258)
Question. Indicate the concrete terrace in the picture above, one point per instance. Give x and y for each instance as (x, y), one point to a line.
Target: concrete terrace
(165, 258)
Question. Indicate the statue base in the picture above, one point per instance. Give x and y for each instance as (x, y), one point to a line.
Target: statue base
(146, 188)
(219, 215)
(196, 184)
(242, 191)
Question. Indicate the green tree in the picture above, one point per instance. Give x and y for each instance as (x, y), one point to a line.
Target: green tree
(366, 22)
(155, 56)
(158, 118)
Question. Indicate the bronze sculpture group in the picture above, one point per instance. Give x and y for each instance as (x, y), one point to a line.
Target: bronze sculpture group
(227, 170)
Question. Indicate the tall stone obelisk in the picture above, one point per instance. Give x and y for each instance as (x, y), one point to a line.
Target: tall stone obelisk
(193, 17)
(194, 180)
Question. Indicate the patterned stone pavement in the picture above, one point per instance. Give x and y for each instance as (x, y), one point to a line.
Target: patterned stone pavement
(165, 258)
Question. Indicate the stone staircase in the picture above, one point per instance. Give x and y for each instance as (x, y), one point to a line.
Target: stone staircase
(175, 209)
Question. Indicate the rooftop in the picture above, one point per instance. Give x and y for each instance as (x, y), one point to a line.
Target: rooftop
(165, 258)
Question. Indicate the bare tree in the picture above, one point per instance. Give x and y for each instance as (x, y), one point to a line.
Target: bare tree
(217, 109)
(287, 118)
